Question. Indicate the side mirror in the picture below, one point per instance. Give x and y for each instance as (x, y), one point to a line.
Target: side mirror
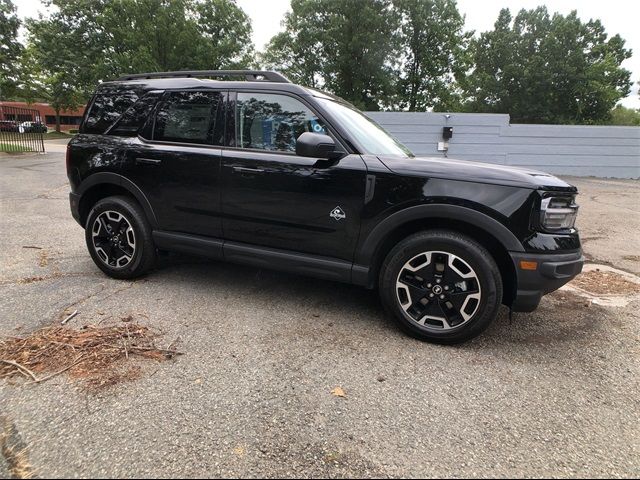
(317, 145)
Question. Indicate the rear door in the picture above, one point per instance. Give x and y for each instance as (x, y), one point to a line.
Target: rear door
(176, 161)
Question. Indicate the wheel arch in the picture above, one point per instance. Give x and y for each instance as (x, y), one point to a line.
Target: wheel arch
(105, 184)
(491, 234)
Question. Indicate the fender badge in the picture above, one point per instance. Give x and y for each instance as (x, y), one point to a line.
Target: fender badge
(338, 214)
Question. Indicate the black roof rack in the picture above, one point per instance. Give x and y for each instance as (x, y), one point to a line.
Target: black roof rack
(249, 75)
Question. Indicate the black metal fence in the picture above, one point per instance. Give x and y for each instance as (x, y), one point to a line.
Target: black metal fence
(21, 130)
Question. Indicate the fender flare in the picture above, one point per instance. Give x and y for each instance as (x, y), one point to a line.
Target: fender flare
(110, 178)
(369, 246)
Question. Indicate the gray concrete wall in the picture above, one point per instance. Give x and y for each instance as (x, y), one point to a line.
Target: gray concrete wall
(559, 149)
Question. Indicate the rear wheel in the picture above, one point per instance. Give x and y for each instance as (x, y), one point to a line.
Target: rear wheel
(118, 237)
(441, 286)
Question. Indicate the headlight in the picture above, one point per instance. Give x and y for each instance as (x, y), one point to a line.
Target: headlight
(558, 213)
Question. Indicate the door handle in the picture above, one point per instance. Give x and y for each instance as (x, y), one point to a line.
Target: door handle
(148, 161)
(247, 170)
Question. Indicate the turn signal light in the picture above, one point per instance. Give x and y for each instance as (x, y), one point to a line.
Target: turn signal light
(527, 265)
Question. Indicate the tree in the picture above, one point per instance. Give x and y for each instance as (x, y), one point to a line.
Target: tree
(433, 53)
(148, 35)
(57, 65)
(87, 41)
(298, 51)
(345, 46)
(225, 30)
(10, 49)
(543, 69)
(624, 116)
(159, 35)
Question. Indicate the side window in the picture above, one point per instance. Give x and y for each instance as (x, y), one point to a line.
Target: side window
(108, 105)
(190, 117)
(135, 117)
(272, 122)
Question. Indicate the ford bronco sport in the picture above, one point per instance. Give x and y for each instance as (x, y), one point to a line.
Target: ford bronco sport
(271, 174)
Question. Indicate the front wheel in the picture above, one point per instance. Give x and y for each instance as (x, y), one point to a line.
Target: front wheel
(441, 286)
(118, 237)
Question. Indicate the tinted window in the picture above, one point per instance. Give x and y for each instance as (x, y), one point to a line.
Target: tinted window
(191, 117)
(107, 107)
(135, 117)
(272, 122)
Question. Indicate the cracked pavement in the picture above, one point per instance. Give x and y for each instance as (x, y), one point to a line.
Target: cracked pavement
(555, 394)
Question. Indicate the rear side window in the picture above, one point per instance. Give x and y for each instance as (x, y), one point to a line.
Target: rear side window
(107, 107)
(135, 117)
(190, 117)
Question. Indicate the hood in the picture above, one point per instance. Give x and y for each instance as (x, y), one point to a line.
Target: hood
(464, 170)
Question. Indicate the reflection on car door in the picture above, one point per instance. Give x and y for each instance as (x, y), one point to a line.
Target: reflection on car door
(274, 198)
(178, 168)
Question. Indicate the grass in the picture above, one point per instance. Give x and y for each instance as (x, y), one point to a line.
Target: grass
(10, 147)
(53, 135)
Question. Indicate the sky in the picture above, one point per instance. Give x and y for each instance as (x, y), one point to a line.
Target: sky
(617, 16)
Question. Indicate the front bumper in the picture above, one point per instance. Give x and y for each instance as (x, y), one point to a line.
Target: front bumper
(550, 273)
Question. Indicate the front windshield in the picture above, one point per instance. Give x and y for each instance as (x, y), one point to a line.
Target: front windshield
(369, 135)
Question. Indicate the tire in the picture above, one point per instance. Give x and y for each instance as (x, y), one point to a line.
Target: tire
(119, 239)
(441, 286)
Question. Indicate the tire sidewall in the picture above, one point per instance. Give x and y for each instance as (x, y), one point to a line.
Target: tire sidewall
(478, 259)
(122, 207)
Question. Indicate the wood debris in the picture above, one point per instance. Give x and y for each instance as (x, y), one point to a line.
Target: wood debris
(100, 356)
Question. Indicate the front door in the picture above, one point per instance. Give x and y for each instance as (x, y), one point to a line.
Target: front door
(274, 198)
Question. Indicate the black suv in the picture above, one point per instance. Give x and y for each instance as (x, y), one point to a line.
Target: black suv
(275, 175)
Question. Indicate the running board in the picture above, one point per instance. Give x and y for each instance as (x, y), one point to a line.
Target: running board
(190, 244)
(263, 257)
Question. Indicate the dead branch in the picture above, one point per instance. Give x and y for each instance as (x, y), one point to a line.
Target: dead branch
(69, 367)
(20, 367)
(69, 317)
(97, 353)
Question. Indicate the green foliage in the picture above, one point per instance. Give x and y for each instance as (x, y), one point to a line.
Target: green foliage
(55, 68)
(10, 49)
(159, 35)
(400, 54)
(298, 51)
(87, 41)
(624, 116)
(397, 54)
(433, 54)
(162, 35)
(547, 69)
(345, 46)
(225, 30)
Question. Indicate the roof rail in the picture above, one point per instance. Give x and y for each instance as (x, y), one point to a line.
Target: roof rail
(249, 75)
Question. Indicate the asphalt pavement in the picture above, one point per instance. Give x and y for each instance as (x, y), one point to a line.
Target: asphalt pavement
(553, 394)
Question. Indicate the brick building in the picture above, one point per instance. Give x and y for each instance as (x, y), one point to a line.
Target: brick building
(69, 119)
